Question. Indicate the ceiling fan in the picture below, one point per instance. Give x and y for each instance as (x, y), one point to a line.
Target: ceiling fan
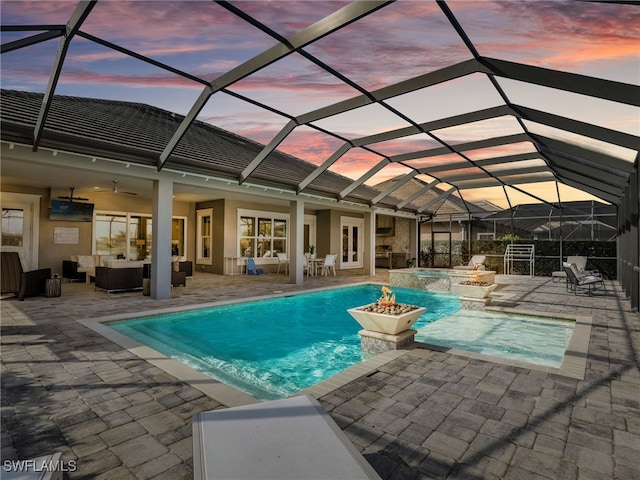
(114, 189)
(70, 197)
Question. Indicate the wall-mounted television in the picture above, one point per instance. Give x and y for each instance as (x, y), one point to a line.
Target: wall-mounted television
(71, 211)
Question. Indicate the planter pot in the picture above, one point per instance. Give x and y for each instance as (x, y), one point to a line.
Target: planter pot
(389, 324)
(473, 291)
(53, 287)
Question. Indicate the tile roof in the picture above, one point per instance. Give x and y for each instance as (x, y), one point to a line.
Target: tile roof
(137, 133)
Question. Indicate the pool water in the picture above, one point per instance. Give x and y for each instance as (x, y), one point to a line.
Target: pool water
(273, 348)
(519, 337)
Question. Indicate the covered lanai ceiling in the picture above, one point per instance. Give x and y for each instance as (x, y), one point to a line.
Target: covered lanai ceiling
(511, 102)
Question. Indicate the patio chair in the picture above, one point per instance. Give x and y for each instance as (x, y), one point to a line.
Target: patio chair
(251, 268)
(329, 264)
(308, 265)
(16, 280)
(581, 263)
(283, 259)
(576, 281)
(476, 263)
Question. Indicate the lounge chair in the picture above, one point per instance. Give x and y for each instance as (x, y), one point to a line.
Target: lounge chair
(251, 268)
(575, 280)
(581, 263)
(476, 263)
(16, 280)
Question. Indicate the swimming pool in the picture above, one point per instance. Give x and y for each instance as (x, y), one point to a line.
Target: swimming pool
(276, 347)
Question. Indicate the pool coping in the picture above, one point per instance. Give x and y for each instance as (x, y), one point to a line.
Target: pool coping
(573, 363)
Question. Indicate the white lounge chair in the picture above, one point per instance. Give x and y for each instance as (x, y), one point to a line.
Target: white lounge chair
(476, 263)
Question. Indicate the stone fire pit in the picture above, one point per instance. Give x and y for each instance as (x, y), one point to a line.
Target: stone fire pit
(387, 316)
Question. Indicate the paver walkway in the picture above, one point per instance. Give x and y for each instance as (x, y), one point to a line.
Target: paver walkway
(426, 414)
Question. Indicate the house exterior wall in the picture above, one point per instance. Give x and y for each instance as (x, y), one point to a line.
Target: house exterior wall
(51, 255)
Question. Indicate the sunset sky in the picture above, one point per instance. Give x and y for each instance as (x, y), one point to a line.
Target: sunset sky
(398, 42)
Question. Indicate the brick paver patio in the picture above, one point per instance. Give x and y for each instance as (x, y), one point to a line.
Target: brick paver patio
(425, 414)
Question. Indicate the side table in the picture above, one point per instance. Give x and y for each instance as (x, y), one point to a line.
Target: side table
(53, 287)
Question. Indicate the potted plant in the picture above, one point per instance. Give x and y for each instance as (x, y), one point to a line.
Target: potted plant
(385, 315)
(312, 251)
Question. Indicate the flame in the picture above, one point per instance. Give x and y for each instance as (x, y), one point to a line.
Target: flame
(388, 297)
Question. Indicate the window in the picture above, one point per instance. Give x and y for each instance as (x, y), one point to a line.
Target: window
(111, 235)
(486, 236)
(178, 247)
(205, 219)
(12, 227)
(129, 235)
(140, 236)
(262, 234)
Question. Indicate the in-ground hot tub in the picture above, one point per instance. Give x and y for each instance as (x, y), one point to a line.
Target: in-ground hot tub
(437, 279)
(473, 297)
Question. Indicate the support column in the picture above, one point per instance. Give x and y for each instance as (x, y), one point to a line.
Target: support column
(161, 258)
(369, 243)
(296, 242)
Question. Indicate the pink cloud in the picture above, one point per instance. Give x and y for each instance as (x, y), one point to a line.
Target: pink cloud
(149, 52)
(37, 11)
(555, 34)
(310, 145)
(355, 163)
(287, 18)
